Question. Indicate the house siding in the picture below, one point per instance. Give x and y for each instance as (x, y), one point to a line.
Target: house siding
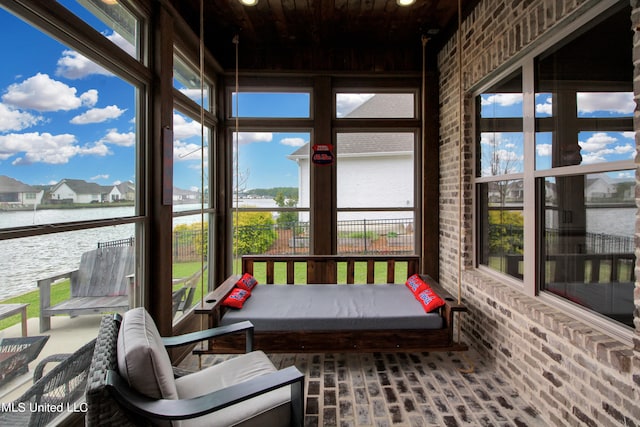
(570, 372)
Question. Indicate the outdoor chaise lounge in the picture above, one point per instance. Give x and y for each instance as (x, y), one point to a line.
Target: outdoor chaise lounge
(99, 285)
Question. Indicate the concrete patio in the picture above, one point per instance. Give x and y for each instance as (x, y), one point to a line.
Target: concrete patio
(66, 336)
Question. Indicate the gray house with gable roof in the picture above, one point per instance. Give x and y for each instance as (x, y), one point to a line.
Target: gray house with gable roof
(80, 191)
(16, 193)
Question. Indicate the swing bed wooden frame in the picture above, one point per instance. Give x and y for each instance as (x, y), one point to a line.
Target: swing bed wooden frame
(324, 270)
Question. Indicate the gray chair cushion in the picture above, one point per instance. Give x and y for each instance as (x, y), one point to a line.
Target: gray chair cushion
(270, 409)
(142, 358)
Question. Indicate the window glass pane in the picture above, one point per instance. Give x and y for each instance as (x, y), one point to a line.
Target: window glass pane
(588, 241)
(187, 81)
(605, 104)
(502, 226)
(272, 169)
(271, 104)
(67, 134)
(501, 143)
(599, 147)
(273, 232)
(501, 153)
(390, 232)
(190, 252)
(29, 259)
(375, 105)
(584, 98)
(188, 151)
(375, 169)
(111, 19)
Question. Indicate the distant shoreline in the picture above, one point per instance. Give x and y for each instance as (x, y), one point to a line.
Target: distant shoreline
(65, 206)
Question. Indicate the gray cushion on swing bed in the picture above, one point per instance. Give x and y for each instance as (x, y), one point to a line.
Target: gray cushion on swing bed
(333, 307)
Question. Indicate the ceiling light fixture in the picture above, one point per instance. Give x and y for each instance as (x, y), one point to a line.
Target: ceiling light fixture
(405, 2)
(249, 2)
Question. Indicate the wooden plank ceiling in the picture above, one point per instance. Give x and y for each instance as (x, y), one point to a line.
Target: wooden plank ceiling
(321, 35)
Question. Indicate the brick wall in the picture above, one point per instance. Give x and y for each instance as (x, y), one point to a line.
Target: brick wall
(573, 374)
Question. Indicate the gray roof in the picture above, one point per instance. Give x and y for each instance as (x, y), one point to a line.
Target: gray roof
(385, 105)
(10, 185)
(372, 143)
(80, 186)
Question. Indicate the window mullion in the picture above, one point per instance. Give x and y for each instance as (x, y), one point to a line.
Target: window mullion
(528, 127)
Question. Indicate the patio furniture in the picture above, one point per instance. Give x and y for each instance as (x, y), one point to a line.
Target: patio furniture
(131, 381)
(99, 285)
(329, 317)
(64, 384)
(17, 353)
(7, 310)
(183, 297)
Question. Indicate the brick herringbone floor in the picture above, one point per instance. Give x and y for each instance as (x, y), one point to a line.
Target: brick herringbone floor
(402, 389)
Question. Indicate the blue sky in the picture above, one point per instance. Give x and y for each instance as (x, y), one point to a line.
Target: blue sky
(61, 116)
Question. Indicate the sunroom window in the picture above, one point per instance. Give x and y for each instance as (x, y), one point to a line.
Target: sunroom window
(569, 155)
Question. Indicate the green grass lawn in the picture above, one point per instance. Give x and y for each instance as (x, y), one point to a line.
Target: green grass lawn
(60, 292)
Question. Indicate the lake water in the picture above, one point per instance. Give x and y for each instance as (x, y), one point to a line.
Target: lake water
(24, 261)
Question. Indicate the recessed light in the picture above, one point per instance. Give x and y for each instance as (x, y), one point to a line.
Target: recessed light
(249, 2)
(405, 2)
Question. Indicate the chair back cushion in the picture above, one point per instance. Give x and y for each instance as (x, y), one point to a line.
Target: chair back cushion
(142, 358)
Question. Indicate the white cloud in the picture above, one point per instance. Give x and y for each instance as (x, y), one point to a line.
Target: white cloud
(193, 94)
(12, 119)
(42, 93)
(187, 151)
(293, 142)
(597, 147)
(597, 142)
(89, 98)
(122, 43)
(101, 176)
(347, 102)
(122, 139)
(612, 102)
(45, 148)
(98, 115)
(543, 150)
(491, 138)
(73, 65)
(630, 135)
(185, 129)
(249, 137)
(503, 99)
(546, 108)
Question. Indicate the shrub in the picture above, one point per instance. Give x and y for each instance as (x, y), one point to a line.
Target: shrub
(256, 232)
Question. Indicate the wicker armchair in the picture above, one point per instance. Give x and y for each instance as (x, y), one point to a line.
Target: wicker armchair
(248, 384)
(60, 387)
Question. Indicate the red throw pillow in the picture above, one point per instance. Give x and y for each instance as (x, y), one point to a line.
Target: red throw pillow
(247, 282)
(429, 300)
(236, 298)
(416, 284)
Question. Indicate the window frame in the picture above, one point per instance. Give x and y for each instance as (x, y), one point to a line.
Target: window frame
(525, 62)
